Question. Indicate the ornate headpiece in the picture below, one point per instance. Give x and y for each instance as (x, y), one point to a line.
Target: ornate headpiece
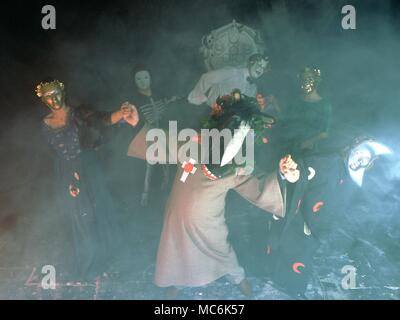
(44, 87)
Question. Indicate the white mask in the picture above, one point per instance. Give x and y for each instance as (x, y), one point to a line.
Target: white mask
(257, 69)
(143, 80)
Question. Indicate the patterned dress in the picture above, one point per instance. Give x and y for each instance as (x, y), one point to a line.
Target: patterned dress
(82, 195)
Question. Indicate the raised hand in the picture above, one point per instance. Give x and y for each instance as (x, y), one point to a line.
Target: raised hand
(288, 168)
(130, 113)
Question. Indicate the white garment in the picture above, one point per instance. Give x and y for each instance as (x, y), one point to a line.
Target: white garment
(221, 82)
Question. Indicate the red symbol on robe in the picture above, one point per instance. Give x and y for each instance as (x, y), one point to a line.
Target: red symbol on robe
(317, 206)
(73, 191)
(188, 168)
(296, 267)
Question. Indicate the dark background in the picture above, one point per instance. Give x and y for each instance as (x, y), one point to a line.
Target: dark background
(96, 44)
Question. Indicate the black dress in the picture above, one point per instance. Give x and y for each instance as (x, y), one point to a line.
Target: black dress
(82, 194)
(311, 218)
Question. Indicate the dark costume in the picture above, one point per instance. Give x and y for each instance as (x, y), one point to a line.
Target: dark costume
(306, 120)
(293, 241)
(151, 115)
(82, 192)
(321, 217)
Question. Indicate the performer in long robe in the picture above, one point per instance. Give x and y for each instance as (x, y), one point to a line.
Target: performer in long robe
(74, 134)
(194, 249)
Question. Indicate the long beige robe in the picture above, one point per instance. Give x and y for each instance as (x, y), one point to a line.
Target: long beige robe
(193, 249)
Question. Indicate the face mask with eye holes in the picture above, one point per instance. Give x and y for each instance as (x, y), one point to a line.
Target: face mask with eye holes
(54, 99)
(258, 68)
(143, 80)
(52, 94)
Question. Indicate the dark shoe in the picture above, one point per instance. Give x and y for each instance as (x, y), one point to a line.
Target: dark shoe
(245, 287)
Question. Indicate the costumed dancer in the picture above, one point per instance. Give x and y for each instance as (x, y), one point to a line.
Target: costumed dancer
(194, 249)
(308, 120)
(294, 239)
(74, 133)
(151, 109)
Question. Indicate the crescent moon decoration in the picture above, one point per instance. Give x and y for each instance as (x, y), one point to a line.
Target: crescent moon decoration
(317, 206)
(312, 173)
(361, 158)
(73, 191)
(307, 230)
(296, 267)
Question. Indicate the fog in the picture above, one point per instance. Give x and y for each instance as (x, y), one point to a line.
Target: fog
(93, 51)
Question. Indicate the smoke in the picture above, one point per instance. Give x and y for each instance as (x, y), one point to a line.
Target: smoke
(96, 46)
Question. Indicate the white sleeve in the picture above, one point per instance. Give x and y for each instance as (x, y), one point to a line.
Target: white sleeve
(198, 95)
(253, 91)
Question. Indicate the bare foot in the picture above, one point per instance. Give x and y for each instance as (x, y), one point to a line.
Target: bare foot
(245, 287)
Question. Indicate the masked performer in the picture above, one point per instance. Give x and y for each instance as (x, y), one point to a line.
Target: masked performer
(294, 240)
(151, 109)
(220, 82)
(309, 117)
(193, 249)
(319, 218)
(75, 134)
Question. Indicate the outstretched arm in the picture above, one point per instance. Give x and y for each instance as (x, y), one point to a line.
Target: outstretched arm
(127, 112)
(199, 94)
